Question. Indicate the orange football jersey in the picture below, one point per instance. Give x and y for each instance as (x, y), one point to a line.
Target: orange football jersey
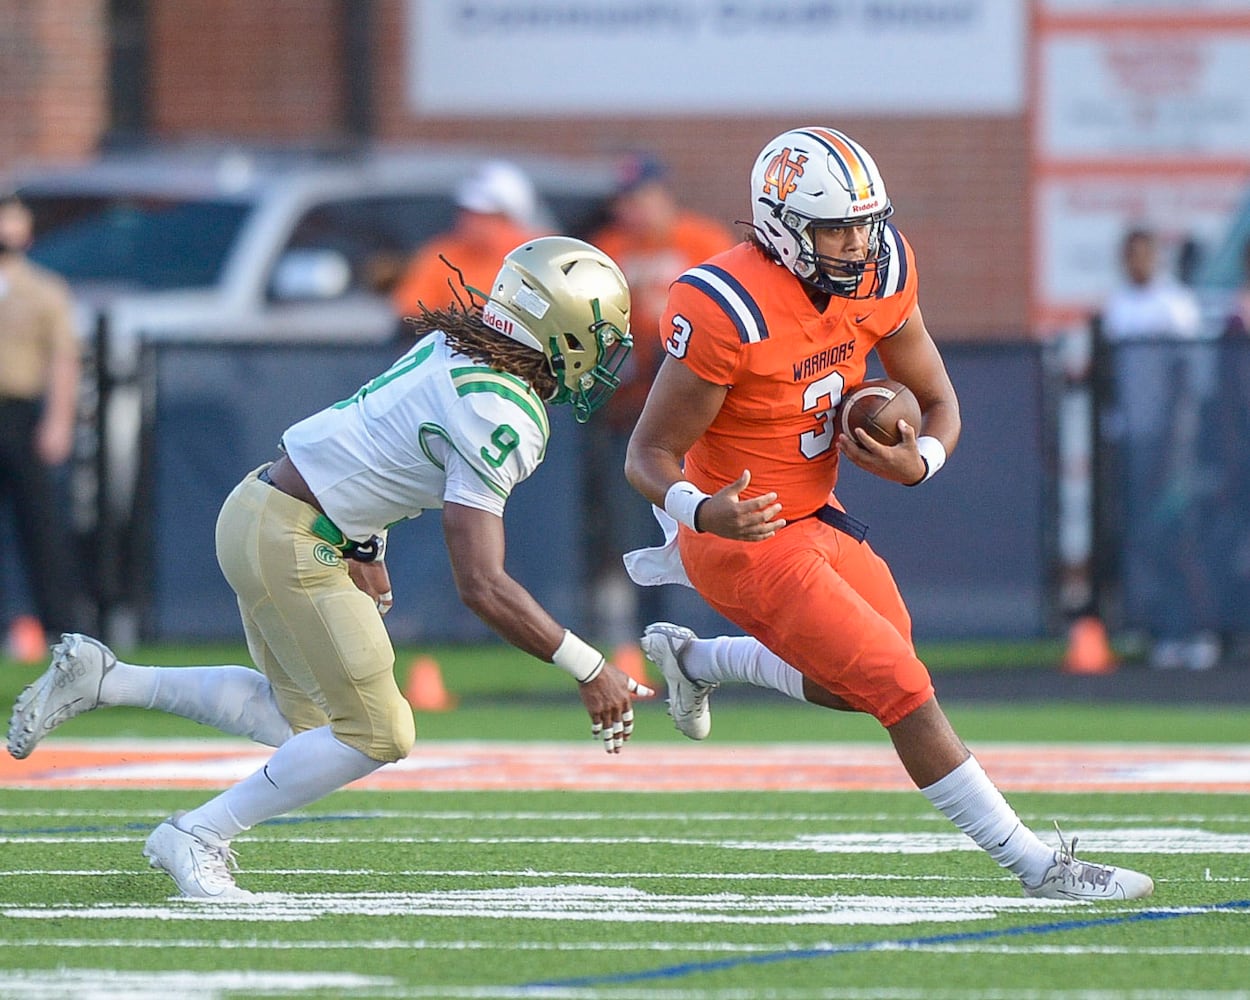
(744, 321)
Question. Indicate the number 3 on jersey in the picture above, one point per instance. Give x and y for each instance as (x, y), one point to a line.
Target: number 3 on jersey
(820, 398)
(678, 341)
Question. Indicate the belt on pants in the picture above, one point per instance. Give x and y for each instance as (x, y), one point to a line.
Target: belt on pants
(322, 527)
(842, 521)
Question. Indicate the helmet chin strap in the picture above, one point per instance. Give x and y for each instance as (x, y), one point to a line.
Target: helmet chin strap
(845, 287)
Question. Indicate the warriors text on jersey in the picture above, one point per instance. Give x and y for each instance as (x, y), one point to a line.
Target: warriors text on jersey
(436, 426)
(743, 321)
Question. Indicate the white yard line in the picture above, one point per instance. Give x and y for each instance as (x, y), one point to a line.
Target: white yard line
(1145, 840)
(712, 947)
(609, 814)
(530, 873)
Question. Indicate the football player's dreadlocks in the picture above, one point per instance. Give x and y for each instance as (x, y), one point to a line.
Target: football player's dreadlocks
(462, 325)
(466, 333)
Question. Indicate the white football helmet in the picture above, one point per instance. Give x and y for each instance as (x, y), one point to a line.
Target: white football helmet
(569, 300)
(812, 177)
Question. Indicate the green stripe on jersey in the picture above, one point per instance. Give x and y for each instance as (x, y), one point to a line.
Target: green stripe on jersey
(483, 379)
(434, 429)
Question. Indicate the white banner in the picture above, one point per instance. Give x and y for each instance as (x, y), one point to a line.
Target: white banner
(1174, 9)
(677, 57)
(1080, 224)
(1146, 94)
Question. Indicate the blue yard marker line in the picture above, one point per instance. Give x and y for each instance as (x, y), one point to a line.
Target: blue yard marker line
(1059, 926)
(49, 831)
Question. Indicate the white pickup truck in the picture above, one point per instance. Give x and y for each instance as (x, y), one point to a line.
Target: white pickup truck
(214, 246)
(266, 247)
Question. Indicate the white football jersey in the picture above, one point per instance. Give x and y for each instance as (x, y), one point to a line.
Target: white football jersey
(435, 426)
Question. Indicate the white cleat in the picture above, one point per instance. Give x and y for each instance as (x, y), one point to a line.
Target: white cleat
(1071, 878)
(687, 699)
(69, 687)
(200, 870)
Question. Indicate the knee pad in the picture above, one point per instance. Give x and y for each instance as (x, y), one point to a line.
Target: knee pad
(386, 738)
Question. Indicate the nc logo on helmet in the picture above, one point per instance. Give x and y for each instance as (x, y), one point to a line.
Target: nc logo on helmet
(783, 174)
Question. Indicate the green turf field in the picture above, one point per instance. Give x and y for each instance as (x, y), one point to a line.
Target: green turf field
(691, 896)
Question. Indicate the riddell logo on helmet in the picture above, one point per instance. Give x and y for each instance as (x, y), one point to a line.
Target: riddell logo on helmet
(865, 206)
(497, 322)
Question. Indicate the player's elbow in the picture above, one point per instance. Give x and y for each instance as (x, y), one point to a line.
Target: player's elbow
(641, 464)
(633, 469)
(952, 423)
(480, 590)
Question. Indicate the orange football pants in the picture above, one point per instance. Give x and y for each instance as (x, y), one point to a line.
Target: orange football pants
(822, 601)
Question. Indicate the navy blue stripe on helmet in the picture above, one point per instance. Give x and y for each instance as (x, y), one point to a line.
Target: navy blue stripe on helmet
(839, 156)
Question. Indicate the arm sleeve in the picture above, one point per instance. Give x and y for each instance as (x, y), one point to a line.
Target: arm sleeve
(465, 486)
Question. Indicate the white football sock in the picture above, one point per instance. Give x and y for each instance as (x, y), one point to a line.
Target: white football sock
(307, 767)
(234, 699)
(970, 800)
(741, 658)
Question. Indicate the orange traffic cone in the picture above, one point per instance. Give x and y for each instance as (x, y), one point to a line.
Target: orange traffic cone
(628, 657)
(1089, 652)
(425, 691)
(26, 641)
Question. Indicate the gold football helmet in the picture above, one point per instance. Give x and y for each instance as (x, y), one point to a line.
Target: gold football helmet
(569, 300)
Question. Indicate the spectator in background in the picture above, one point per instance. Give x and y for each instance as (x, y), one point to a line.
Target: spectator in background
(1149, 304)
(1230, 534)
(654, 240)
(38, 410)
(496, 209)
(1237, 323)
(1161, 380)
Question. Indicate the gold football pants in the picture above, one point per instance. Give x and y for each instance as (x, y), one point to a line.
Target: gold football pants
(318, 638)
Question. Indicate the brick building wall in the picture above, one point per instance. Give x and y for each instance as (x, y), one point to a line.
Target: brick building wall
(273, 71)
(262, 70)
(53, 78)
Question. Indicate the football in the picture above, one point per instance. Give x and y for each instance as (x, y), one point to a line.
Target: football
(877, 406)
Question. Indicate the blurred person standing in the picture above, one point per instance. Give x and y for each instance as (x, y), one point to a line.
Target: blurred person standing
(1161, 377)
(40, 365)
(1230, 534)
(654, 240)
(1237, 320)
(1149, 303)
(496, 207)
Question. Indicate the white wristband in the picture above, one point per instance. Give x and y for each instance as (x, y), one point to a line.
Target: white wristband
(577, 658)
(934, 454)
(681, 502)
